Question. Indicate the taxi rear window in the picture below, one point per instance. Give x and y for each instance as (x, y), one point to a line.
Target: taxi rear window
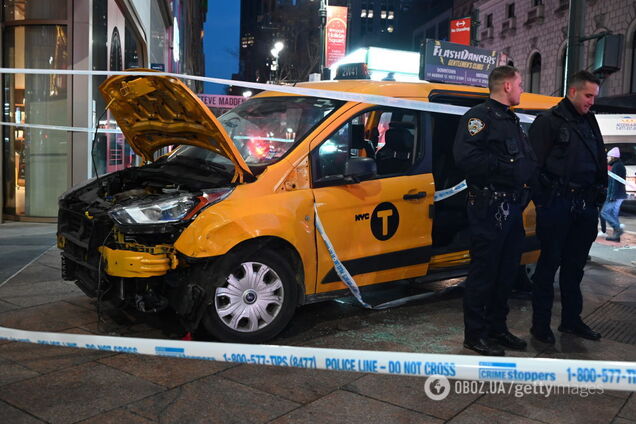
(457, 98)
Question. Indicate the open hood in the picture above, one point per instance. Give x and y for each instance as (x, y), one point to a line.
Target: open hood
(159, 111)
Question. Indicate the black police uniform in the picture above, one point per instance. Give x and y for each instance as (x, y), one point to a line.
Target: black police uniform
(493, 152)
(572, 185)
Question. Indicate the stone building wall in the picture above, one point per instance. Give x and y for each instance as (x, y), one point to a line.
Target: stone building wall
(543, 29)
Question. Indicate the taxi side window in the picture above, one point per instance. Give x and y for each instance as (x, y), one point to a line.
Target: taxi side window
(397, 142)
(387, 136)
(334, 152)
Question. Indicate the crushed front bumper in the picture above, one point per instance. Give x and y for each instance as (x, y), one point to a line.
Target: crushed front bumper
(138, 264)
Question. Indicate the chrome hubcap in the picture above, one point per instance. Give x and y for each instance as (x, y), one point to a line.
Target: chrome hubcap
(251, 297)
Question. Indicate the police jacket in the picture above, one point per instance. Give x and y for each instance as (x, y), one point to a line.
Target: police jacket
(616, 189)
(492, 150)
(569, 146)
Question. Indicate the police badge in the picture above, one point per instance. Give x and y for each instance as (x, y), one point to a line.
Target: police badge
(475, 125)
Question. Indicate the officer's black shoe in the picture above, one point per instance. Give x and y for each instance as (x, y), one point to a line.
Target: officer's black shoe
(482, 347)
(581, 330)
(544, 336)
(509, 340)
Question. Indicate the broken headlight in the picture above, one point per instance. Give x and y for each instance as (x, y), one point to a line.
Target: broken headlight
(154, 211)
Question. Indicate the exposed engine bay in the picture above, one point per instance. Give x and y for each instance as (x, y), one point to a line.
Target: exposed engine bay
(116, 233)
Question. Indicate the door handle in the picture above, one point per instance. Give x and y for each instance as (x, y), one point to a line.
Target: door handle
(420, 195)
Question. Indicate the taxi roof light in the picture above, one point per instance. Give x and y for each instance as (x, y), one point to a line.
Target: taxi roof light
(349, 71)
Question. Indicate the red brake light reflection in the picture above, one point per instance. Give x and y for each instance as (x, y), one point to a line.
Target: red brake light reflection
(258, 147)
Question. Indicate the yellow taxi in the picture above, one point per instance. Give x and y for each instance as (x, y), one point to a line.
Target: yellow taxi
(223, 229)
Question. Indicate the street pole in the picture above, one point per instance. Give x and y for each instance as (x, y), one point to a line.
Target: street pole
(575, 30)
(323, 25)
(278, 47)
(474, 27)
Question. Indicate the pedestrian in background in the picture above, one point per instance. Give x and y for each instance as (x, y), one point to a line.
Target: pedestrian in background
(615, 194)
(493, 152)
(572, 186)
(603, 232)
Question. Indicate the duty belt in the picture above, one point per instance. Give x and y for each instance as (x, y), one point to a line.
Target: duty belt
(581, 196)
(588, 193)
(512, 196)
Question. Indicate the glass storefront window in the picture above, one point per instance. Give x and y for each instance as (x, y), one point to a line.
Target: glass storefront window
(157, 48)
(132, 50)
(35, 160)
(116, 46)
(16, 10)
(36, 163)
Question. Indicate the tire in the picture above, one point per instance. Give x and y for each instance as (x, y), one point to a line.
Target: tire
(256, 299)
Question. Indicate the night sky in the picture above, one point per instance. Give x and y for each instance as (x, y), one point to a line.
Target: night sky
(221, 42)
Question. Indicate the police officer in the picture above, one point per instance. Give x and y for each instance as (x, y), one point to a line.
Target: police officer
(493, 152)
(572, 182)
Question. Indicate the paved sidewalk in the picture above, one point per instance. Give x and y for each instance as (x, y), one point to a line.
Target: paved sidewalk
(62, 385)
(20, 243)
(623, 252)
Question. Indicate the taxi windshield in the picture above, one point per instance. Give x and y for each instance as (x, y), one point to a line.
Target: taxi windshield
(264, 129)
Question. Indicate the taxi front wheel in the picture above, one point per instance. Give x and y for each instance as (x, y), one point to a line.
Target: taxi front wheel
(256, 300)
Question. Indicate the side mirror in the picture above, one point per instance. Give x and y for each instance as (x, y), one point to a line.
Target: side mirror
(360, 168)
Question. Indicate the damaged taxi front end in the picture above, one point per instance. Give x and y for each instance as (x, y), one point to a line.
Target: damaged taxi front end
(117, 231)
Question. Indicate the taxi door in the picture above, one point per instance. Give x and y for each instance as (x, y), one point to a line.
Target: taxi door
(380, 227)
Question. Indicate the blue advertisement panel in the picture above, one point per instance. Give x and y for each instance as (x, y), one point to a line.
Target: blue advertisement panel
(456, 63)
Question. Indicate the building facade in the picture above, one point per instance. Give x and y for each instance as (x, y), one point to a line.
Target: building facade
(434, 22)
(533, 33)
(384, 23)
(262, 24)
(38, 163)
(296, 23)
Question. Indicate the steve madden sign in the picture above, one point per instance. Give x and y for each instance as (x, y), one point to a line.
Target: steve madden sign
(221, 101)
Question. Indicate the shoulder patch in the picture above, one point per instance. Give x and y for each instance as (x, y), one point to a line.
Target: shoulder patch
(475, 125)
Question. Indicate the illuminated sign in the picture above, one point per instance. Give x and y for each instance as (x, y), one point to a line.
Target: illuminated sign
(617, 125)
(460, 31)
(455, 63)
(335, 34)
(380, 62)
